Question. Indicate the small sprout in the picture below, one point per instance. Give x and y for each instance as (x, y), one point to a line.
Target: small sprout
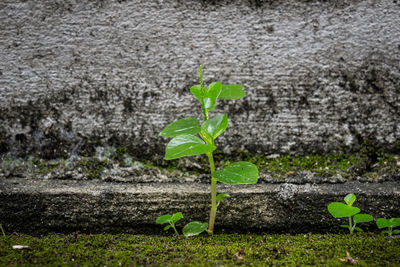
(389, 224)
(194, 228)
(340, 210)
(221, 197)
(171, 220)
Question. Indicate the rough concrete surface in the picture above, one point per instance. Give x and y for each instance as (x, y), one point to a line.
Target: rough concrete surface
(39, 206)
(320, 76)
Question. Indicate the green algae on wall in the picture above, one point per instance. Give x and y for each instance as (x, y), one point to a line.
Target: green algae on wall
(369, 163)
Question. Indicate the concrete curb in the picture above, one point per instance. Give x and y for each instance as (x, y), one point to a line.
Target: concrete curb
(43, 206)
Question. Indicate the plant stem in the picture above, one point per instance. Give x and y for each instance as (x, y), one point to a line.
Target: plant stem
(2, 230)
(205, 112)
(173, 226)
(213, 211)
(350, 225)
(201, 77)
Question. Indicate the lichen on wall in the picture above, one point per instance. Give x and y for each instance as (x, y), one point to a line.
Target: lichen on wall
(321, 76)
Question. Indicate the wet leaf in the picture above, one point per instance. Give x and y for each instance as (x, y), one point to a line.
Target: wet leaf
(394, 222)
(194, 228)
(382, 222)
(216, 125)
(241, 172)
(180, 127)
(163, 219)
(232, 92)
(222, 196)
(186, 145)
(359, 218)
(211, 94)
(196, 91)
(349, 199)
(339, 210)
(176, 217)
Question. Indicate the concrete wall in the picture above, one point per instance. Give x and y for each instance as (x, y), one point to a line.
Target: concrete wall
(320, 75)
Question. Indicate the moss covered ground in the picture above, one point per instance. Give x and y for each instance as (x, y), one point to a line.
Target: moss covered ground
(363, 249)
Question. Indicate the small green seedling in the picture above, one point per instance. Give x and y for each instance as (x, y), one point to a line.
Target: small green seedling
(191, 138)
(340, 210)
(389, 224)
(171, 220)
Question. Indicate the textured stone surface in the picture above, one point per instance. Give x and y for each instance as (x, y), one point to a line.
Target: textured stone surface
(42, 206)
(320, 75)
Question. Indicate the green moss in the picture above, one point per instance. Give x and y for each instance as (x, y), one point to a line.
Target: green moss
(347, 166)
(93, 166)
(324, 165)
(120, 151)
(6, 163)
(45, 166)
(227, 250)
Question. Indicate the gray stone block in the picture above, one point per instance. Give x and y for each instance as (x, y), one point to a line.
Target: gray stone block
(38, 206)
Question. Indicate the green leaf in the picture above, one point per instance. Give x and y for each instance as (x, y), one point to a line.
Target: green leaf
(176, 217)
(222, 196)
(194, 228)
(339, 210)
(186, 145)
(358, 229)
(232, 92)
(167, 227)
(395, 232)
(349, 199)
(180, 127)
(382, 223)
(345, 226)
(394, 222)
(215, 126)
(241, 172)
(196, 91)
(385, 232)
(163, 219)
(359, 218)
(211, 94)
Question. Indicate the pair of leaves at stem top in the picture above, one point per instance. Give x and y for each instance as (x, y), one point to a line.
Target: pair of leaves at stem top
(209, 95)
(340, 210)
(389, 224)
(190, 229)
